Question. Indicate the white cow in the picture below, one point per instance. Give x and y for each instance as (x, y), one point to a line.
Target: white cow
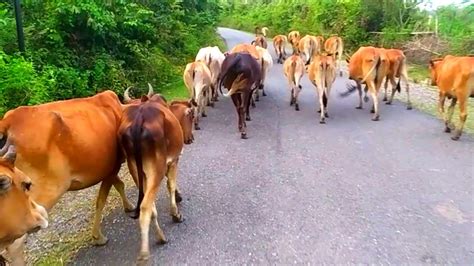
(213, 58)
(266, 62)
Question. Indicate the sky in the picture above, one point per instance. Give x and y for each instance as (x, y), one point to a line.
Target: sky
(438, 3)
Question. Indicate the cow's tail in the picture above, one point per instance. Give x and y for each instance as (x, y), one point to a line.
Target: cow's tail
(324, 86)
(374, 67)
(292, 71)
(136, 133)
(224, 73)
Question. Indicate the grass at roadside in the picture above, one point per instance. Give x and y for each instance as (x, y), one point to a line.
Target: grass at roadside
(418, 73)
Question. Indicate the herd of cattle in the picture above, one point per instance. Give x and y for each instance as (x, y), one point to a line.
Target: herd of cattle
(49, 149)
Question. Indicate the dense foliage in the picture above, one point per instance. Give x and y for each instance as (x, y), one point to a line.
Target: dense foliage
(77, 48)
(359, 22)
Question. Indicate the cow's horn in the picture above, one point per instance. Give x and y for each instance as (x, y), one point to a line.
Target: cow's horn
(5, 183)
(126, 95)
(150, 91)
(10, 156)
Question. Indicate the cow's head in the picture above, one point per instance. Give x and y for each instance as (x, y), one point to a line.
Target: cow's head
(184, 112)
(129, 100)
(434, 69)
(19, 213)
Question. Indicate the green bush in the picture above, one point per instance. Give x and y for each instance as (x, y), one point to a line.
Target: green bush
(75, 49)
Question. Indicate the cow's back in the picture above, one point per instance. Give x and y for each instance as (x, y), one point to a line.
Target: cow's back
(65, 145)
(457, 73)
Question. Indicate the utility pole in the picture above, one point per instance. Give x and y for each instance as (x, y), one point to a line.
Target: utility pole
(19, 26)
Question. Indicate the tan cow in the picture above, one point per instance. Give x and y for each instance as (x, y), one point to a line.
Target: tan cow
(368, 65)
(197, 78)
(152, 139)
(73, 146)
(246, 48)
(294, 38)
(279, 43)
(397, 69)
(334, 46)
(454, 77)
(294, 70)
(19, 213)
(308, 47)
(322, 73)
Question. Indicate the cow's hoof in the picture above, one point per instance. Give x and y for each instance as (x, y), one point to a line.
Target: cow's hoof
(409, 107)
(178, 197)
(134, 214)
(388, 103)
(177, 218)
(372, 111)
(299, 86)
(204, 115)
(326, 115)
(248, 118)
(384, 99)
(264, 94)
(129, 207)
(197, 127)
(243, 136)
(456, 137)
(143, 258)
(366, 99)
(100, 240)
(162, 241)
(212, 105)
(340, 74)
(322, 121)
(257, 99)
(376, 118)
(447, 130)
(359, 107)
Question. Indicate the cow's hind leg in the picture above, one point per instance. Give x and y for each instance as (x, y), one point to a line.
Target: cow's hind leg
(98, 238)
(449, 116)
(359, 90)
(441, 100)
(120, 187)
(247, 101)
(462, 117)
(172, 176)
(154, 176)
(160, 236)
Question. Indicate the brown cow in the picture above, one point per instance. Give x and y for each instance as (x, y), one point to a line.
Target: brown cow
(152, 139)
(294, 70)
(19, 213)
(322, 73)
(182, 110)
(279, 43)
(241, 75)
(368, 65)
(334, 47)
(73, 146)
(294, 38)
(260, 41)
(454, 77)
(397, 69)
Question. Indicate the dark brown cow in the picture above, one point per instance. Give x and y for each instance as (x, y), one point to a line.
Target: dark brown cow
(152, 138)
(241, 75)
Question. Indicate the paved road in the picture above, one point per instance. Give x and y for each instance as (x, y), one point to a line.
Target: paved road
(350, 191)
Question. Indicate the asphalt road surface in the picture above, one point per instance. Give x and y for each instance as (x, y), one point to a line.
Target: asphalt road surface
(351, 191)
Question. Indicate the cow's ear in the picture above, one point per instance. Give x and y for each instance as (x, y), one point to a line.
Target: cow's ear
(348, 60)
(144, 98)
